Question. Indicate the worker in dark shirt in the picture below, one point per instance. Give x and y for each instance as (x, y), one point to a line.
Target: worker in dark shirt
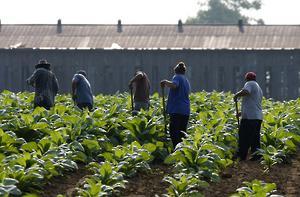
(141, 85)
(45, 83)
(81, 91)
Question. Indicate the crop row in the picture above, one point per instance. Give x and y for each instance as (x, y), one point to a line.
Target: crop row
(37, 144)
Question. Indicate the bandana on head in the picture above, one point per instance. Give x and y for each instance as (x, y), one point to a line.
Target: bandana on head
(250, 76)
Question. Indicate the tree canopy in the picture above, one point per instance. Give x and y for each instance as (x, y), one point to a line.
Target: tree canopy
(225, 12)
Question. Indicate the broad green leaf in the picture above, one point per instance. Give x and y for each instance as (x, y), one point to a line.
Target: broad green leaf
(56, 137)
(79, 156)
(27, 118)
(30, 146)
(150, 147)
(40, 125)
(38, 111)
(92, 145)
(9, 181)
(75, 145)
(105, 169)
(44, 145)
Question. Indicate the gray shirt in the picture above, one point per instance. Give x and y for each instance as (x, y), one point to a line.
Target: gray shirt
(251, 104)
(83, 90)
(45, 84)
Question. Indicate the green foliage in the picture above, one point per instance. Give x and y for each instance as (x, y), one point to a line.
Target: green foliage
(38, 144)
(271, 156)
(129, 159)
(8, 186)
(106, 180)
(92, 188)
(225, 12)
(184, 185)
(255, 188)
(280, 132)
(91, 146)
(212, 138)
(142, 130)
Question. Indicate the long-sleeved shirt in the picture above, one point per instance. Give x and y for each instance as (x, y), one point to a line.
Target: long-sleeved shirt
(45, 84)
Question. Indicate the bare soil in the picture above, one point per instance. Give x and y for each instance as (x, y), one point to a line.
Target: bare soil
(286, 177)
(66, 184)
(146, 185)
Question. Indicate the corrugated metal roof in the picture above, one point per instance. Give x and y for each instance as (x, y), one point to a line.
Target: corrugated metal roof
(150, 36)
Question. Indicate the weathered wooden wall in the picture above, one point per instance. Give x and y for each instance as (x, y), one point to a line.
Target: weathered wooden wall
(278, 71)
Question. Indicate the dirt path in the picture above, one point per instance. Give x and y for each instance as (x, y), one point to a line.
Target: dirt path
(293, 184)
(141, 184)
(146, 185)
(286, 177)
(66, 184)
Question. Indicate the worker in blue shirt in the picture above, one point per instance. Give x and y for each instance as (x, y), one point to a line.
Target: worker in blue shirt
(81, 91)
(178, 104)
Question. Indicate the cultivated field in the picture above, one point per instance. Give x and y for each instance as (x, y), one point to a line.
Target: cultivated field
(109, 152)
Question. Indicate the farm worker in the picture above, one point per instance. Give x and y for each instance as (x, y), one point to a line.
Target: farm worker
(141, 85)
(178, 104)
(45, 83)
(81, 91)
(249, 129)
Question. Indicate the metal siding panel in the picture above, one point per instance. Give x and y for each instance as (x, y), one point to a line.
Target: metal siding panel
(216, 36)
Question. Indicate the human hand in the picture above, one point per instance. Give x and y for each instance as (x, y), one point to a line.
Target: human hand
(163, 83)
(30, 83)
(235, 98)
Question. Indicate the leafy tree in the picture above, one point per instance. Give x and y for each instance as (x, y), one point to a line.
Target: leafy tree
(225, 12)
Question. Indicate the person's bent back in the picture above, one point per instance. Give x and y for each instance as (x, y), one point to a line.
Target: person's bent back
(81, 91)
(45, 84)
(141, 91)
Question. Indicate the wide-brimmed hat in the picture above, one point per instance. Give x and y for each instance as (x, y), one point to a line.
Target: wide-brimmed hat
(43, 63)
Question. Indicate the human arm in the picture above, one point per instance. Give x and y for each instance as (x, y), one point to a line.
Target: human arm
(56, 86)
(240, 93)
(246, 91)
(31, 79)
(167, 83)
(74, 87)
(137, 77)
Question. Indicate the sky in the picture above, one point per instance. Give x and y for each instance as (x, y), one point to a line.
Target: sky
(129, 11)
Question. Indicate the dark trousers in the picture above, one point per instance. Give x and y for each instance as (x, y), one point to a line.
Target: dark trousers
(85, 105)
(249, 137)
(42, 101)
(178, 123)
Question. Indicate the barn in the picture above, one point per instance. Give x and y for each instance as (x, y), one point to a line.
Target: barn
(217, 55)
